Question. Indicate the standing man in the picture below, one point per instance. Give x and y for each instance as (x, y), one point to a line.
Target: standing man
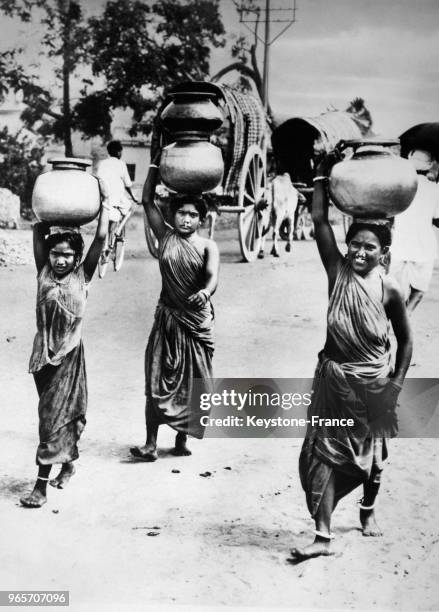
(114, 173)
(414, 245)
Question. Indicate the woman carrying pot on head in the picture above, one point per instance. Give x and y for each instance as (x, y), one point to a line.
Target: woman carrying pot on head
(181, 343)
(354, 378)
(57, 360)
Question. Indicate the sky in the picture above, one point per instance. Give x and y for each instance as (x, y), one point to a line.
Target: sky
(385, 51)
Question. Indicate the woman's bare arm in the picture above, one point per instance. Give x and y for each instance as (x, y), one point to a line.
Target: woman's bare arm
(212, 266)
(95, 250)
(152, 211)
(397, 313)
(324, 235)
(199, 299)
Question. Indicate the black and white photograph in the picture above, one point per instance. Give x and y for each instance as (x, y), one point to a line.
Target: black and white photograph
(219, 292)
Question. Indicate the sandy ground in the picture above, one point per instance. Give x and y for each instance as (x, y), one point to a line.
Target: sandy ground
(220, 541)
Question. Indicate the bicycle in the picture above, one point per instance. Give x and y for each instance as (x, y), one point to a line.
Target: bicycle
(114, 247)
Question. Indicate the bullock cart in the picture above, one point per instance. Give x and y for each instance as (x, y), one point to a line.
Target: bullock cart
(298, 143)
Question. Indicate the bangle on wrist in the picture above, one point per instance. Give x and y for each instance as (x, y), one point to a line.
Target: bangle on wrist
(153, 166)
(320, 178)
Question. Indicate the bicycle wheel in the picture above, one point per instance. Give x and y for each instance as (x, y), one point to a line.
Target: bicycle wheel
(104, 260)
(119, 251)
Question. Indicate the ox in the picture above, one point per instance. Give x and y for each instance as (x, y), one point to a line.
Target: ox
(283, 199)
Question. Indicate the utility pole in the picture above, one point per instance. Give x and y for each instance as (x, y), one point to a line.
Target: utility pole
(266, 55)
(250, 12)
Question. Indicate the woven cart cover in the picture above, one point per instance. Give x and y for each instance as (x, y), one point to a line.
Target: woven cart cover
(249, 126)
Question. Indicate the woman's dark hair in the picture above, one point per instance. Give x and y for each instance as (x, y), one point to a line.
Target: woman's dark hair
(382, 232)
(73, 239)
(198, 201)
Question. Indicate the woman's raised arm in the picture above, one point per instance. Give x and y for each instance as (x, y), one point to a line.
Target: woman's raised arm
(324, 235)
(95, 250)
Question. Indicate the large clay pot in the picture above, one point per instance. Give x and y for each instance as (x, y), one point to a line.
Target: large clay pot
(67, 194)
(191, 166)
(191, 114)
(373, 182)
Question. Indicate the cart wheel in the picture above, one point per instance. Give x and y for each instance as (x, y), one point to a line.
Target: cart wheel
(119, 251)
(103, 260)
(151, 240)
(251, 196)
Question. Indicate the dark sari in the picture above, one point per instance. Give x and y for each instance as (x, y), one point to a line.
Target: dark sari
(357, 352)
(181, 344)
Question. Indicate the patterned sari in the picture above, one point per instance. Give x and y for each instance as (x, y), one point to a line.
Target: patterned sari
(181, 344)
(58, 365)
(357, 352)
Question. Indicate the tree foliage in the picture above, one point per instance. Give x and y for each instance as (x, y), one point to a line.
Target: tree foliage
(19, 157)
(133, 50)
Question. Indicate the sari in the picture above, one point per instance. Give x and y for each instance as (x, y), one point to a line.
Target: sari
(58, 365)
(181, 343)
(356, 354)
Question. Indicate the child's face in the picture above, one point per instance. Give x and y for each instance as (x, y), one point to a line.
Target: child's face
(62, 258)
(187, 219)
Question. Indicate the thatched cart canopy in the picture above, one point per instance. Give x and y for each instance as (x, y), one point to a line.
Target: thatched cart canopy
(296, 141)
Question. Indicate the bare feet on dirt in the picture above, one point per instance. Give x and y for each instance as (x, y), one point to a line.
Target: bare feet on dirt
(146, 453)
(66, 472)
(35, 500)
(181, 449)
(319, 548)
(369, 524)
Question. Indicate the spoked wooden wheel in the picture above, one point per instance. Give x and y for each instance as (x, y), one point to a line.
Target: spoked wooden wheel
(119, 251)
(151, 240)
(251, 197)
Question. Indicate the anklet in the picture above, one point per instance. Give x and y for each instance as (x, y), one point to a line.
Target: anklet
(325, 536)
(41, 478)
(360, 503)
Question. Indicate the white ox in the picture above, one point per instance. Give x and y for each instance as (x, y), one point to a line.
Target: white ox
(283, 199)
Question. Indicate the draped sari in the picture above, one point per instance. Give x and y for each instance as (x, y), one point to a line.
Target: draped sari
(58, 365)
(356, 354)
(181, 343)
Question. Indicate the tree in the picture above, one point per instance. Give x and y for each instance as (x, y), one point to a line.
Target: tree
(19, 164)
(136, 49)
(141, 50)
(64, 41)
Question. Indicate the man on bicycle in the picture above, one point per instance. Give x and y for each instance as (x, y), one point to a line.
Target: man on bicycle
(114, 172)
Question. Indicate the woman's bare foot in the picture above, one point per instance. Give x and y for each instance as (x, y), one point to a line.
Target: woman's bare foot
(369, 524)
(66, 472)
(320, 547)
(148, 452)
(35, 500)
(181, 449)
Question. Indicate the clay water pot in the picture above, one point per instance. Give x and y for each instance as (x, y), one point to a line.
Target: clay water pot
(67, 194)
(192, 114)
(191, 166)
(373, 182)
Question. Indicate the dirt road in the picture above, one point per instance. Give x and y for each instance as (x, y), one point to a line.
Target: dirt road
(222, 540)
